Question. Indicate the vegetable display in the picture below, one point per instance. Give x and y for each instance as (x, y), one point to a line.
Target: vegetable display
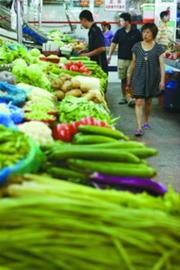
(32, 74)
(133, 184)
(102, 150)
(39, 131)
(14, 147)
(73, 109)
(65, 132)
(94, 204)
(66, 85)
(90, 229)
(78, 67)
(41, 105)
(96, 70)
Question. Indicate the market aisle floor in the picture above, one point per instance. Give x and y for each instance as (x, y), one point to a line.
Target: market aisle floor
(164, 136)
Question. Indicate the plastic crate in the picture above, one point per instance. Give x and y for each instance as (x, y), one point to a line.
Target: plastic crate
(34, 34)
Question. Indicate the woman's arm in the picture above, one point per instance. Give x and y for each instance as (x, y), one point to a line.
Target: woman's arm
(162, 71)
(131, 69)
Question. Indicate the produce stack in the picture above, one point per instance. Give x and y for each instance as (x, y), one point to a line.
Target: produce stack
(51, 224)
(48, 222)
(103, 157)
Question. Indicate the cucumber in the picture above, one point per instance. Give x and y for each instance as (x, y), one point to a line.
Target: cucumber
(74, 58)
(102, 131)
(143, 152)
(113, 168)
(94, 154)
(119, 144)
(65, 173)
(91, 139)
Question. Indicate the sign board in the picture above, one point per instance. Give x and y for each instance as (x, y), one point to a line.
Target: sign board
(163, 5)
(115, 5)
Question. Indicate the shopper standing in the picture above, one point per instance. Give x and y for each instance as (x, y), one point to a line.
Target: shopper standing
(125, 38)
(108, 34)
(147, 74)
(165, 34)
(96, 43)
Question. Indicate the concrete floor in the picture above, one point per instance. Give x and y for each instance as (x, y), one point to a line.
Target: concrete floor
(164, 136)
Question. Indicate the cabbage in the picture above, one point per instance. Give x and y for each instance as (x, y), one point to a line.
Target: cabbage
(35, 52)
(32, 75)
(19, 62)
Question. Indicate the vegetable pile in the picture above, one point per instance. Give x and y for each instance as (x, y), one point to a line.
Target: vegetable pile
(32, 74)
(102, 156)
(79, 86)
(41, 105)
(14, 147)
(77, 67)
(65, 132)
(94, 68)
(39, 131)
(70, 227)
(73, 109)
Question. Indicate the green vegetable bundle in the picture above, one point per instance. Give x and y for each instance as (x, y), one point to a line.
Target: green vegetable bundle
(73, 109)
(51, 224)
(18, 153)
(32, 74)
(98, 149)
(14, 147)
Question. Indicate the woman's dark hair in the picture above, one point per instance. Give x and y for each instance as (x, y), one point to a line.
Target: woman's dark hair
(152, 27)
(106, 24)
(86, 14)
(163, 14)
(125, 16)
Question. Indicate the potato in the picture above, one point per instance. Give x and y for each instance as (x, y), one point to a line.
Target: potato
(75, 93)
(57, 84)
(89, 96)
(62, 78)
(75, 84)
(67, 86)
(60, 94)
(65, 77)
(84, 89)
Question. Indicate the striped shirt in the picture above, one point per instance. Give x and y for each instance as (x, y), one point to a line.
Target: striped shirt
(165, 35)
(146, 75)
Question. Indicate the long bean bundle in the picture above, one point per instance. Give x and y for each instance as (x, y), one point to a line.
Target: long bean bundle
(50, 224)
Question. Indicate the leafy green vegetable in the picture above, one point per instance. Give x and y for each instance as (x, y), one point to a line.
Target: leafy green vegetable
(74, 109)
(32, 74)
(14, 146)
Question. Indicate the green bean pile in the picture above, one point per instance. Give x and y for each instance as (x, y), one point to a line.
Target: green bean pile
(50, 224)
(13, 147)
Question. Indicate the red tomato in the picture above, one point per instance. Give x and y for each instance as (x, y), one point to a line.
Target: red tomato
(82, 69)
(78, 123)
(73, 128)
(79, 64)
(74, 68)
(83, 121)
(55, 133)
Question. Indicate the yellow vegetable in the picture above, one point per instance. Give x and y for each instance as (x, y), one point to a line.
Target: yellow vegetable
(75, 93)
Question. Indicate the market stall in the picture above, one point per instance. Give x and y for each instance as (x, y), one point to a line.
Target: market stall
(55, 124)
(76, 193)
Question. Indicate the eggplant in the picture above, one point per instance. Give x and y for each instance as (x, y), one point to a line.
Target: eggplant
(131, 183)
